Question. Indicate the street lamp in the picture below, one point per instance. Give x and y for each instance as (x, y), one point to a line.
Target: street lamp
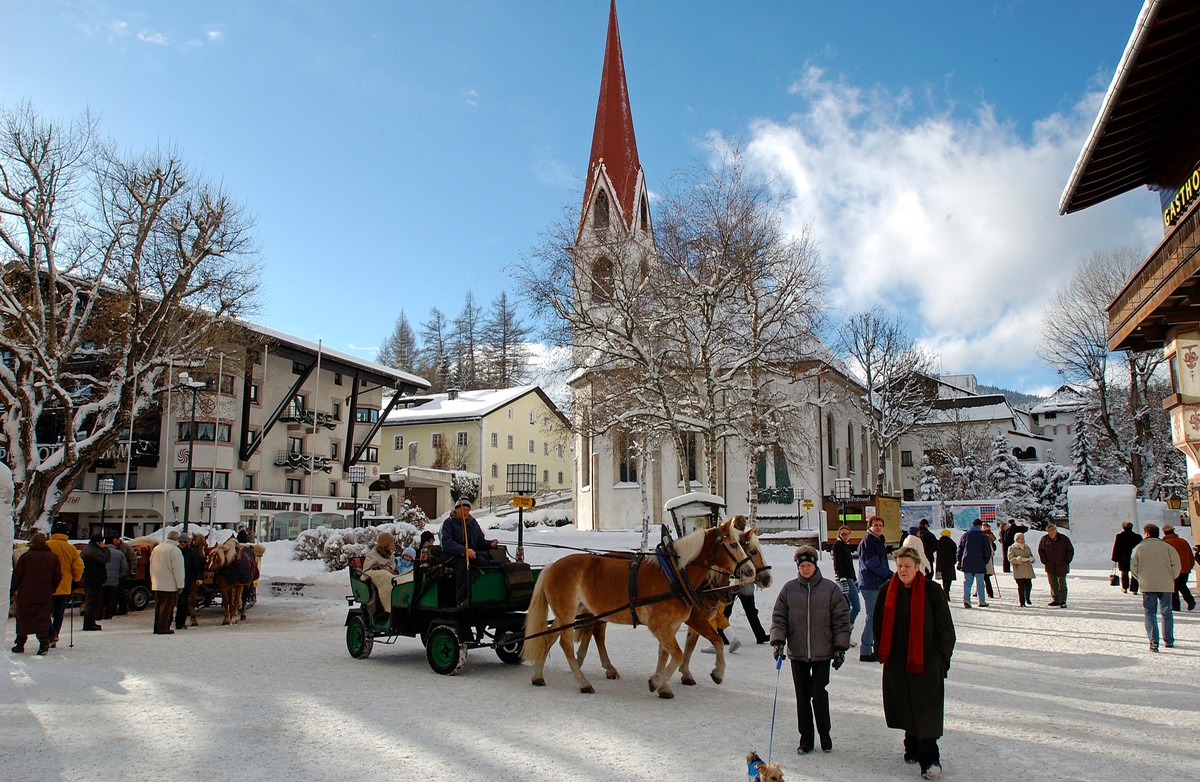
(186, 382)
(105, 487)
(843, 489)
(358, 474)
(208, 502)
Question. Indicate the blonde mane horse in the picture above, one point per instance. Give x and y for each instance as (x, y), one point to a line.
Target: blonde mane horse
(223, 561)
(700, 622)
(600, 584)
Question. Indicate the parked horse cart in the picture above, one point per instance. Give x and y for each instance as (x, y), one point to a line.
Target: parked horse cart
(422, 604)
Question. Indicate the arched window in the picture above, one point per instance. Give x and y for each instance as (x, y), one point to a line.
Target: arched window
(600, 211)
(644, 210)
(602, 279)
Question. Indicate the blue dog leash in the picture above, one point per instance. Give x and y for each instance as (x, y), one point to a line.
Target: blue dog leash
(778, 673)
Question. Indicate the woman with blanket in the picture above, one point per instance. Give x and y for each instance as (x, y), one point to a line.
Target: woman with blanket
(379, 565)
(916, 639)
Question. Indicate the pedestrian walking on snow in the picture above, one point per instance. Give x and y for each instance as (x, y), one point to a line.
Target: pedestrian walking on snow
(1186, 561)
(34, 579)
(916, 642)
(1155, 564)
(873, 572)
(811, 625)
(974, 552)
(1056, 552)
(947, 560)
(1123, 545)
(1020, 556)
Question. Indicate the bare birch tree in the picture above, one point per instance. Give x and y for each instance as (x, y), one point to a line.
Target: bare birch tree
(895, 371)
(111, 266)
(1075, 342)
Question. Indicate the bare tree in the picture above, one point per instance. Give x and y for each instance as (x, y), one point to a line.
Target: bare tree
(698, 336)
(505, 344)
(111, 266)
(895, 372)
(1075, 342)
(400, 349)
(466, 343)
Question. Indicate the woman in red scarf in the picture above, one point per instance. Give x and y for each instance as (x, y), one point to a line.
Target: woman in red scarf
(916, 640)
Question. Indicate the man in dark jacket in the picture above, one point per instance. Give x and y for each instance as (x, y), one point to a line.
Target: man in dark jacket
(462, 540)
(812, 620)
(1007, 536)
(974, 553)
(1187, 560)
(34, 579)
(947, 560)
(95, 573)
(193, 574)
(1056, 552)
(1123, 545)
(873, 572)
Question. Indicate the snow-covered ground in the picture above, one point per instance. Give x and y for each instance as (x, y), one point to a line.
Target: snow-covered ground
(1036, 693)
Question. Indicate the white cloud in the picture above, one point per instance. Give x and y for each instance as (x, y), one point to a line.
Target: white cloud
(151, 37)
(471, 97)
(119, 27)
(215, 36)
(952, 223)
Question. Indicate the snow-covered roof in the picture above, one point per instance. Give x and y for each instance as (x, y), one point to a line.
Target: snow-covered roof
(465, 406)
(983, 408)
(1065, 399)
(700, 498)
(395, 375)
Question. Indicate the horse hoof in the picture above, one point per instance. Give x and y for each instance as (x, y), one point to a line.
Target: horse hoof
(652, 685)
(611, 675)
(689, 681)
(538, 682)
(666, 694)
(717, 679)
(588, 690)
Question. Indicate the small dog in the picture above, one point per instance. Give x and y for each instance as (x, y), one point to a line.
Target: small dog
(759, 771)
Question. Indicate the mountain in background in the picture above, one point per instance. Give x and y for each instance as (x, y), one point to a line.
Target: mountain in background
(1015, 398)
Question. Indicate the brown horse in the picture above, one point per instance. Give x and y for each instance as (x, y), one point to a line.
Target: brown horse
(226, 564)
(200, 546)
(600, 584)
(700, 622)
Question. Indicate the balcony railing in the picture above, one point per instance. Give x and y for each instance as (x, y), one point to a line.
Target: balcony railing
(144, 453)
(776, 495)
(295, 460)
(309, 417)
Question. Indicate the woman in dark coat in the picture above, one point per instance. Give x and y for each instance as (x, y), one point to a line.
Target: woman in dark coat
(947, 560)
(34, 579)
(916, 640)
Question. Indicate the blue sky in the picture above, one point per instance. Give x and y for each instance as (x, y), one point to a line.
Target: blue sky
(397, 155)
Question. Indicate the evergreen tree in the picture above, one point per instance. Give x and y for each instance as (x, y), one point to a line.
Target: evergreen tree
(435, 350)
(1006, 481)
(931, 487)
(1083, 469)
(466, 344)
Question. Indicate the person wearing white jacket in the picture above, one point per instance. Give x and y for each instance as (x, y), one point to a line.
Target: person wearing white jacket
(167, 578)
(1155, 564)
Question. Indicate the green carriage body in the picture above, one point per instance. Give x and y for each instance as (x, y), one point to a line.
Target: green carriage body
(425, 607)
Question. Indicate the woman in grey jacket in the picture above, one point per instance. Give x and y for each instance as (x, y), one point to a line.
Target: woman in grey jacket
(812, 619)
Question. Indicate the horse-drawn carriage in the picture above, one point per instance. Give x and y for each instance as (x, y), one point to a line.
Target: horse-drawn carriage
(424, 606)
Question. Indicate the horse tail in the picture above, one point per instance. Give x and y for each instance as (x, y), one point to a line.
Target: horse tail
(537, 648)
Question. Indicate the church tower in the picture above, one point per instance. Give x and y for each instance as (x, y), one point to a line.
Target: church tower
(614, 247)
(616, 208)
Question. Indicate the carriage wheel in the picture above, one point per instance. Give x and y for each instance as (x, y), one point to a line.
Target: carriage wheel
(444, 651)
(510, 652)
(139, 598)
(359, 641)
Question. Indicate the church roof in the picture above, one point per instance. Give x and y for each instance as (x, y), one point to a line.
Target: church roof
(614, 148)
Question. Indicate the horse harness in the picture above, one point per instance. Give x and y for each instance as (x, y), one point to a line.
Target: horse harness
(705, 597)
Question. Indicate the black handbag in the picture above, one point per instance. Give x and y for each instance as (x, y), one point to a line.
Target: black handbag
(1114, 579)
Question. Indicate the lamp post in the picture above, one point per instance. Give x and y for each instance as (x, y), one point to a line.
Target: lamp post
(105, 487)
(186, 382)
(358, 474)
(208, 502)
(843, 489)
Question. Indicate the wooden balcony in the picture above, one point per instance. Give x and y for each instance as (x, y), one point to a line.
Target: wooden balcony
(1164, 293)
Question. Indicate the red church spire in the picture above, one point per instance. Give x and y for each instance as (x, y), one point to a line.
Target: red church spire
(614, 148)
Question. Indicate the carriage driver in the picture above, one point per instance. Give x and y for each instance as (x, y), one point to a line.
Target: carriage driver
(462, 538)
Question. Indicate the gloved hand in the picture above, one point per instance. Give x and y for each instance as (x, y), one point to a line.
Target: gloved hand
(839, 657)
(778, 647)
